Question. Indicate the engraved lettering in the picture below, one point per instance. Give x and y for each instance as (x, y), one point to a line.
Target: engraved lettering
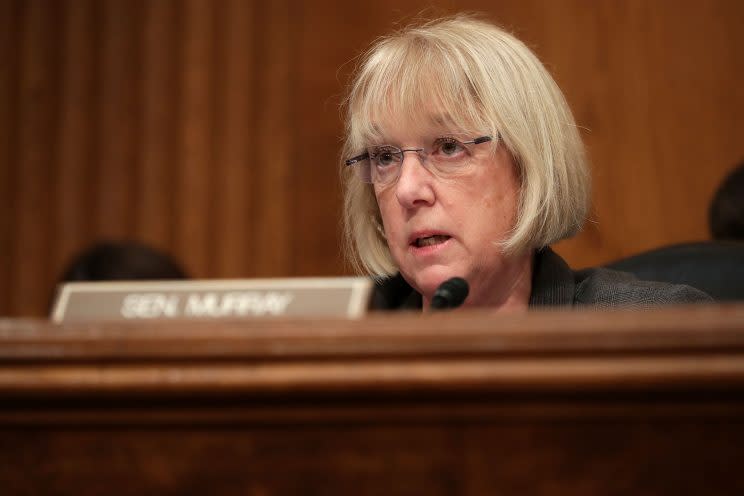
(237, 304)
(149, 306)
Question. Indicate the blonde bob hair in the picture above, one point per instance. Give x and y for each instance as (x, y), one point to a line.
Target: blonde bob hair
(485, 81)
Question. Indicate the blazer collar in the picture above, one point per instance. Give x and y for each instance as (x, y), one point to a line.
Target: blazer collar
(552, 280)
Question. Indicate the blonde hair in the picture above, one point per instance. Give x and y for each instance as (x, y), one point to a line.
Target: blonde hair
(485, 81)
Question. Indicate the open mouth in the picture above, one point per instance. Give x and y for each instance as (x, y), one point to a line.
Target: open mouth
(430, 240)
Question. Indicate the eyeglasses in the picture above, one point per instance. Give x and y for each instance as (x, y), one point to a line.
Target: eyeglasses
(446, 157)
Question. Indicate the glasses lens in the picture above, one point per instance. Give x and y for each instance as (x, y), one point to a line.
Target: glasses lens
(449, 155)
(446, 156)
(363, 170)
(384, 163)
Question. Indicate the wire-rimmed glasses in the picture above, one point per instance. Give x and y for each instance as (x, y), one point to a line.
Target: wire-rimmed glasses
(445, 157)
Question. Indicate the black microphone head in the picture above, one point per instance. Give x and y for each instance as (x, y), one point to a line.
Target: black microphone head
(450, 294)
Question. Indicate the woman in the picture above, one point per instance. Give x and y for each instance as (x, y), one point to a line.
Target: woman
(462, 159)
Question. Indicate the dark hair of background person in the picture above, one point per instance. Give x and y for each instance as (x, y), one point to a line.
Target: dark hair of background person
(119, 261)
(122, 261)
(726, 213)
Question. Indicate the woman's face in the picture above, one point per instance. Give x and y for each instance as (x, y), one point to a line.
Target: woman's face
(438, 228)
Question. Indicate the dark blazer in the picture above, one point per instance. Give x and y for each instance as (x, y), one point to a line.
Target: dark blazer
(555, 284)
(715, 267)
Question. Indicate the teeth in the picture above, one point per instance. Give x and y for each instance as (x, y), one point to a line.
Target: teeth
(431, 240)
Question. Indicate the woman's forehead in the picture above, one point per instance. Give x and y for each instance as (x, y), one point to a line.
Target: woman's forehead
(423, 125)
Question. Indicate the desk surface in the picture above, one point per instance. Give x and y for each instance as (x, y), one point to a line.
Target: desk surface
(619, 349)
(555, 402)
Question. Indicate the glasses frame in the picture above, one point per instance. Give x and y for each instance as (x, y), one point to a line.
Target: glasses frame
(400, 151)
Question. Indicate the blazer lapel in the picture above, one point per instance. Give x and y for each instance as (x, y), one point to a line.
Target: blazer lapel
(552, 280)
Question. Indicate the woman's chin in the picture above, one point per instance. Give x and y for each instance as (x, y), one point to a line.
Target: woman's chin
(428, 280)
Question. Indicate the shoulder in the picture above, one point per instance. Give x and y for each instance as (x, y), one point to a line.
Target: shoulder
(608, 288)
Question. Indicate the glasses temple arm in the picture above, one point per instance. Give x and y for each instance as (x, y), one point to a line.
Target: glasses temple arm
(358, 158)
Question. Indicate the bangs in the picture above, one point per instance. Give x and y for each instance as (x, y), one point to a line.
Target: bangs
(416, 84)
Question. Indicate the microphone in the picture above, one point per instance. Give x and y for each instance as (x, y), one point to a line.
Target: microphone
(450, 294)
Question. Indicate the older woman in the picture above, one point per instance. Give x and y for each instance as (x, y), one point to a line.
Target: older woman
(462, 159)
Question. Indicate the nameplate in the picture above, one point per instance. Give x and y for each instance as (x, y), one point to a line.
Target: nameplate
(212, 299)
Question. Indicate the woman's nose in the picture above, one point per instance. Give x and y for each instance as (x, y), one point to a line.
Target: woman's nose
(414, 186)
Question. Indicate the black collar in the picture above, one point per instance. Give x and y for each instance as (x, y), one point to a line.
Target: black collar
(552, 280)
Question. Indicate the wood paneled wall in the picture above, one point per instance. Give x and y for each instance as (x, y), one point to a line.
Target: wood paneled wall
(210, 129)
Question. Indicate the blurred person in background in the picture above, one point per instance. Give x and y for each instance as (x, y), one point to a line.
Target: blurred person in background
(122, 261)
(726, 213)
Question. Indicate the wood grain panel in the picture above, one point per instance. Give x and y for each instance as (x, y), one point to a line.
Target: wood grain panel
(75, 132)
(194, 180)
(33, 244)
(656, 455)
(275, 245)
(158, 168)
(236, 144)
(119, 117)
(617, 167)
(9, 13)
(694, 132)
(320, 66)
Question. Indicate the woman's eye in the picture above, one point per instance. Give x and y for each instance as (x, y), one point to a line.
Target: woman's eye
(384, 157)
(449, 146)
